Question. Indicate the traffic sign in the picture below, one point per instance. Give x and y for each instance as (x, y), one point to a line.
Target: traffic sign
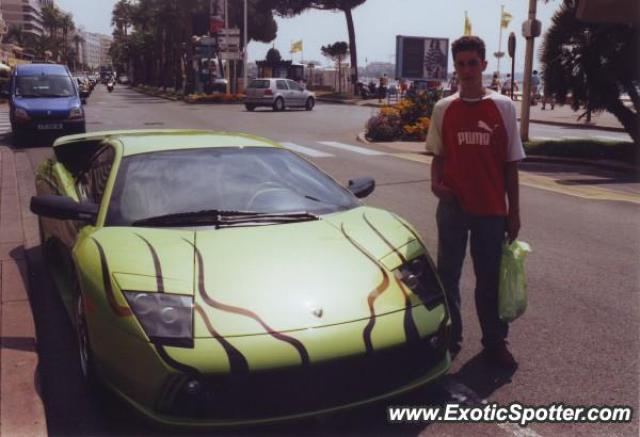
(229, 31)
(231, 41)
(231, 56)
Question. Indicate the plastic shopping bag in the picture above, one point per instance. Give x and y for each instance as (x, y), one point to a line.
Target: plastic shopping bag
(512, 292)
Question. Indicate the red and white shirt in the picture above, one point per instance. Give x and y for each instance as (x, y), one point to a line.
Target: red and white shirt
(476, 138)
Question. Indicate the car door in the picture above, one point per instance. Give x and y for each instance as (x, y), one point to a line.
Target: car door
(83, 179)
(297, 92)
(284, 91)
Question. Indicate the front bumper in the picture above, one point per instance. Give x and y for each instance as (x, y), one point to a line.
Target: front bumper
(51, 126)
(278, 388)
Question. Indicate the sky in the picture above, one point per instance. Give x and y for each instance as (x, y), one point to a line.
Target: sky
(376, 22)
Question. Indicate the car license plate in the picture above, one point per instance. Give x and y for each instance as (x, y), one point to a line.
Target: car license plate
(49, 126)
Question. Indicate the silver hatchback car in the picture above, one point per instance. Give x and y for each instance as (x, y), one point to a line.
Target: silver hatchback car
(279, 94)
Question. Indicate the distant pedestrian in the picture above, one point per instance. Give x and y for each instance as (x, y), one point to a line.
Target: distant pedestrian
(453, 83)
(495, 82)
(535, 87)
(382, 88)
(547, 97)
(476, 146)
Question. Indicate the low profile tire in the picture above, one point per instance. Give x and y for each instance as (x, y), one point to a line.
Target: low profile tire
(250, 107)
(309, 104)
(278, 105)
(84, 346)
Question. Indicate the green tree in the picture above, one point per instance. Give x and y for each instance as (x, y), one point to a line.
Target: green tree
(290, 8)
(594, 64)
(337, 52)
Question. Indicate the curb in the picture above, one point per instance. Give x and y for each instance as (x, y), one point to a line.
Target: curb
(551, 123)
(602, 164)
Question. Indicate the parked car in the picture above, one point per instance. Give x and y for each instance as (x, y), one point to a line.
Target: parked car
(84, 87)
(44, 98)
(220, 279)
(278, 94)
(123, 79)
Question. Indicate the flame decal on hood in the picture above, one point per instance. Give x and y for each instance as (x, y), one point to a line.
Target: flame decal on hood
(173, 363)
(156, 264)
(376, 293)
(304, 355)
(410, 329)
(237, 361)
(120, 311)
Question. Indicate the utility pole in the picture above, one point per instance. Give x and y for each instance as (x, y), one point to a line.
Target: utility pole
(226, 26)
(530, 30)
(244, 51)
(499, 54)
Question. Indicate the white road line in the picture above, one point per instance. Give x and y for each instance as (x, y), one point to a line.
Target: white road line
(610, 138)
(306, 150)
(350, 148)
(517, 430)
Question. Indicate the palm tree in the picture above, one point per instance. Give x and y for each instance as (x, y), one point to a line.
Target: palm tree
(595, 64)
(337, 52)
(67, 25)
(290, 8)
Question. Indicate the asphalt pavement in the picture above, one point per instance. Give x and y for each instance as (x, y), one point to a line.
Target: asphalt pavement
(577, 343)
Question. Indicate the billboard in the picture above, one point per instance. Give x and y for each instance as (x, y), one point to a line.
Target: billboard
(421, 58)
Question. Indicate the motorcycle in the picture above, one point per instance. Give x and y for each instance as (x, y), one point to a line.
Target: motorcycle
(110, 86)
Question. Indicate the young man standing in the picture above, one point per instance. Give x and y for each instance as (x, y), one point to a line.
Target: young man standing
(476, 146)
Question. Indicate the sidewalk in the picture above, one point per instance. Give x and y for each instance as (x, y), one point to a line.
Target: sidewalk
(21, 406)
(559, 116)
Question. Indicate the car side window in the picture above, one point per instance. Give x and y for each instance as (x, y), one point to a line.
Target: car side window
(294, 86)
(92, 181)
(281, 84)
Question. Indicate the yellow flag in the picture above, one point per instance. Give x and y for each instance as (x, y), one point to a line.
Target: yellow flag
(505, 19)
(296, 47)
(467, 25)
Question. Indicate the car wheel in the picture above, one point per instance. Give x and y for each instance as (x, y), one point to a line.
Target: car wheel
(278, 105)
(250, 107)
(310, 103)
(84, 346)
(18, 137)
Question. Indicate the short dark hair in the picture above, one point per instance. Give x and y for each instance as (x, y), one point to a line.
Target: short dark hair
(468, 44)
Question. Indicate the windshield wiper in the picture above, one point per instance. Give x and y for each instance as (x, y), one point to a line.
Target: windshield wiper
(223, 218)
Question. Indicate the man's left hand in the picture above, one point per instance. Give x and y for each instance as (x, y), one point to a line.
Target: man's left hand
(513, 226)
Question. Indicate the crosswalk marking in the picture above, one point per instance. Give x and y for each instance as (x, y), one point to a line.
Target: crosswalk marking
(5, 123)
(350, 148)
(306, 150)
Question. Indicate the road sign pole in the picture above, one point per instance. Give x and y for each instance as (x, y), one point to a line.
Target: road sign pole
(244, 48)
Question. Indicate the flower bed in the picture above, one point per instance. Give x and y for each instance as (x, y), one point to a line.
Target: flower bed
(214, 98)
(407, 120)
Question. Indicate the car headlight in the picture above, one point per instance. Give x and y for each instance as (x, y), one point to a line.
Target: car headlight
(21, 115)
(165, 318)
(419, 275)
(76, 114)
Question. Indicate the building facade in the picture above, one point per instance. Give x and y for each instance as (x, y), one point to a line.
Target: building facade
(105, 45)
(24, 13)
(90, 50)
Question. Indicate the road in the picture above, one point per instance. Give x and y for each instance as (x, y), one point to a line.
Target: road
(577, 344)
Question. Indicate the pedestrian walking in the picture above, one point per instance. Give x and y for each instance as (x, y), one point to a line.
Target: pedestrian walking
(382, 88)
(547, 97)
(535, 88)
(474, 174)
(453, 83)
(495, 82)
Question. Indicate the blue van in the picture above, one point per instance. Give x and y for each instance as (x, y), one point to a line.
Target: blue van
(44, 98)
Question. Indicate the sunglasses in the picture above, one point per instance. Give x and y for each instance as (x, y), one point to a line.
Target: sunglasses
(471, 63)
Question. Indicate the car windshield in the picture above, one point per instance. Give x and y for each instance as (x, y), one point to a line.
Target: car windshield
(44, 86)
(253, 179)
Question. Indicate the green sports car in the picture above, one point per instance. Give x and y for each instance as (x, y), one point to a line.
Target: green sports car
(220, 279)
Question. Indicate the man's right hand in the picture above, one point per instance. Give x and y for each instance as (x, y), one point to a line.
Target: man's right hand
(443, 192)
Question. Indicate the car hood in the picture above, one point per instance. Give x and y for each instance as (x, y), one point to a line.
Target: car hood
(276, 278)
(40, 105)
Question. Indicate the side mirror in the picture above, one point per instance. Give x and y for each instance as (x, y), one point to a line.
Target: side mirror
(63, 207)
(362, 187)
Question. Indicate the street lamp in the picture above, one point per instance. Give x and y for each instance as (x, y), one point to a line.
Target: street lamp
(244, 51)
